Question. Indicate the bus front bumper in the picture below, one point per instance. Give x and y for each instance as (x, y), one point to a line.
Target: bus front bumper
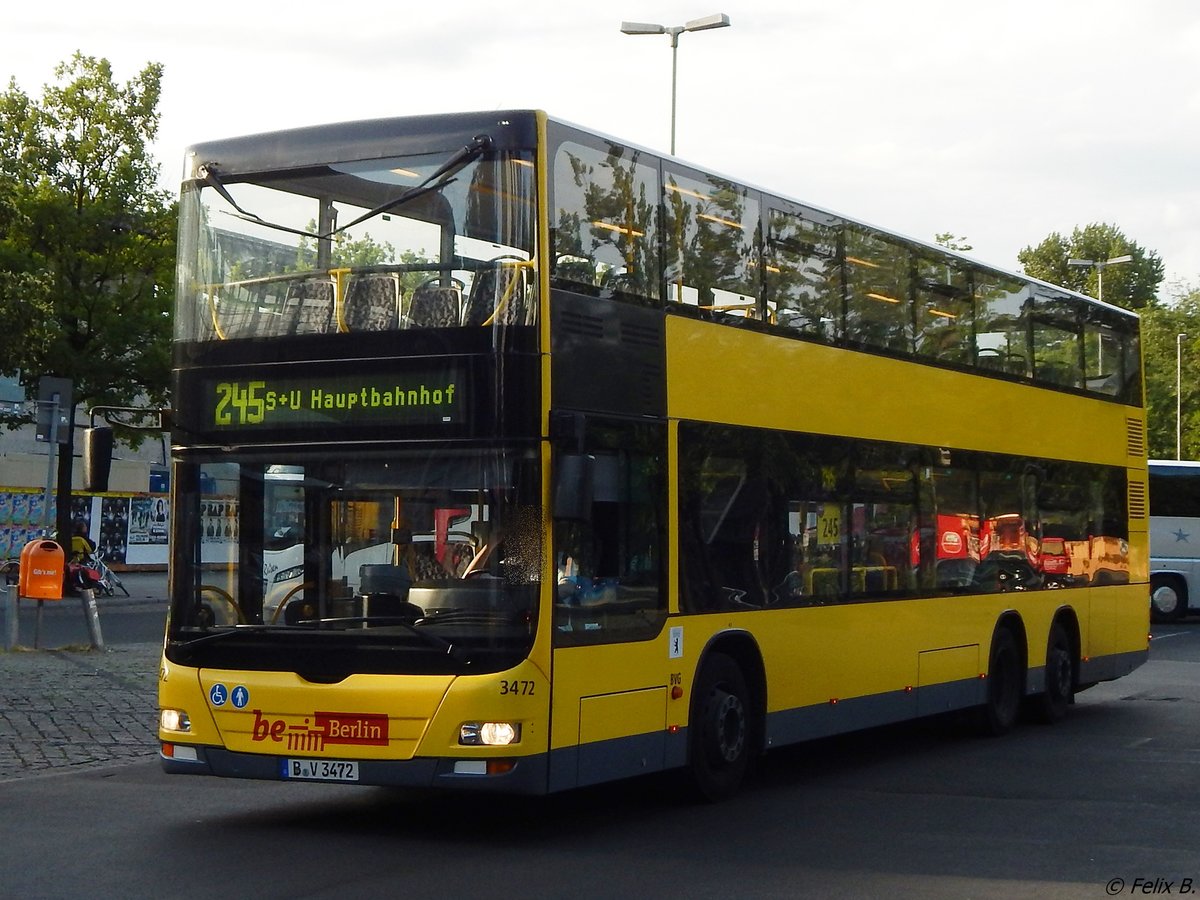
(523, 775)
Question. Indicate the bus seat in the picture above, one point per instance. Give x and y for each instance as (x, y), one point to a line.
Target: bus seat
(497, 296)
(434, 305)
(308, 306)
(372, 303)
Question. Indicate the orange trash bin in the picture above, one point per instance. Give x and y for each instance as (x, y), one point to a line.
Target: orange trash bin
(43, 565)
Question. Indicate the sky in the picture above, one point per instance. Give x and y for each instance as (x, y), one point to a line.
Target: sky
(998, 122)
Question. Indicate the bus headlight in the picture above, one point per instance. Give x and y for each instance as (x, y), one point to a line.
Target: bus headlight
(174, 720)
(288, 574)
(489, 734)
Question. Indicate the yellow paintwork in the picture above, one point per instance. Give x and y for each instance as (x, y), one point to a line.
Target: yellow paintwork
(424, 712)
(621, 715)
(741, 377)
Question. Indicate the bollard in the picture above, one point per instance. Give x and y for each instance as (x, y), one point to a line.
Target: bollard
(93, 618)
(10, 619)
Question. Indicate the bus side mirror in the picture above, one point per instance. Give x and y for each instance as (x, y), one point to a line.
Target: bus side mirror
(97, 458)
(574, 478)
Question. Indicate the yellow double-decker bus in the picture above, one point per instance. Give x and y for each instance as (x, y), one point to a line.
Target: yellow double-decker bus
(509, 456)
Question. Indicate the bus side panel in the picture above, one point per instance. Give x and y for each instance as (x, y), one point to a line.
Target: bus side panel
(610, 711)
(872, 397)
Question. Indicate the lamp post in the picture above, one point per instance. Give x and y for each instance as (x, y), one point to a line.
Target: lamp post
(1178, 395)
(716, 20)
(1099, 265)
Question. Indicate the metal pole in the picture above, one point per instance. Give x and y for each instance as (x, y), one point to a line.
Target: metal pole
(51, 459)
(674, 75)
(12, 611)
(92, 617)
(1178, 395)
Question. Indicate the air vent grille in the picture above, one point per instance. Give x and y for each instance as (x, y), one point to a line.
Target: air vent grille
(1135, 437)
(1137, 500)
(583, 325)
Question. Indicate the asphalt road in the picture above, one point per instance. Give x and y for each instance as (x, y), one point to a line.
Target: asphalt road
(1103, 804)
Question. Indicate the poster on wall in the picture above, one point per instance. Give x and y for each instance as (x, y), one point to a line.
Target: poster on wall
(148, 520)
(114, 528)
(22, 519)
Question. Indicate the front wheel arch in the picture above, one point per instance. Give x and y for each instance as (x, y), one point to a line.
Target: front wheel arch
(723, 727)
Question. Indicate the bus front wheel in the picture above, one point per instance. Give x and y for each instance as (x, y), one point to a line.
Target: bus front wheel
(719, 730)
(1168, 598)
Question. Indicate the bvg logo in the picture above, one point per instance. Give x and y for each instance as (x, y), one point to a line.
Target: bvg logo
(324, 729)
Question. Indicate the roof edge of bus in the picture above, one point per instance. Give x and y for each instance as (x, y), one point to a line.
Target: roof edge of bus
(383, 128)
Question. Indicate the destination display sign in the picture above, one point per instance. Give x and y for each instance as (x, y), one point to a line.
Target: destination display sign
(429, 397)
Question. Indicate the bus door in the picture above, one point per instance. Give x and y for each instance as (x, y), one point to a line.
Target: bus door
(611, 661)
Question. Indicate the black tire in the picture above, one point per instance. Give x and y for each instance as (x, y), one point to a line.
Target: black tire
(720, 729)
(1005, 686)
(1051, 704)
(1168, 598)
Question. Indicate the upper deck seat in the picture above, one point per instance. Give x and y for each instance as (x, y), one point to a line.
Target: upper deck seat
(498, 296)
(435, 305)
(372, 303)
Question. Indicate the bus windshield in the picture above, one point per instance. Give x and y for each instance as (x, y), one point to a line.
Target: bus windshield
(424, 240)
(415, 562)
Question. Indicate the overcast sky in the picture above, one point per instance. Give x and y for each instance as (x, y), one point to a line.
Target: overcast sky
(1001, 122)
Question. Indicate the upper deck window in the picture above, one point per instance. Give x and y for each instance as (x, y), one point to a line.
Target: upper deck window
(358, 245)
(711, 245)
(604, 221)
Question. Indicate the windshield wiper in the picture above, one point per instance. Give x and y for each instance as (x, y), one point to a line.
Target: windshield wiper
(404, 622)
(314, 625)
(443, 176)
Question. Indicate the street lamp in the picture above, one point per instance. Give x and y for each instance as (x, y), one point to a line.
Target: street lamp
(1099, 265)
(716, 20)
(1178, 396)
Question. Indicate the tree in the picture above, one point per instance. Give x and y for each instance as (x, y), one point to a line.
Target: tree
(86, 242)
(1162, 348)
(1132, 285)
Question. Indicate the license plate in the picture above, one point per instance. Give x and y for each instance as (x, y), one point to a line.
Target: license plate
(320, 769)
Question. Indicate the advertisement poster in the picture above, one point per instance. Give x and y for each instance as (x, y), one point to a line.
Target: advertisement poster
(129, 530)
(22, 518)
(148, 520)
(114, 528)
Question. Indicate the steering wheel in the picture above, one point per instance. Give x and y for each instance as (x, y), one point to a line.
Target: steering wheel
(287, 598)
(206, 613)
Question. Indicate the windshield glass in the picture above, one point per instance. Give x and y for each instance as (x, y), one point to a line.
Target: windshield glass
(432, 240)
(412, 562)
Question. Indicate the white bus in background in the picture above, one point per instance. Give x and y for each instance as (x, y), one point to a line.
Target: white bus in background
(1174, 538)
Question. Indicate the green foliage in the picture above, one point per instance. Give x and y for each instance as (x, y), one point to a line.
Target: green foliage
(1132, 284)
(346, 252)
(1162, 349)
(952, 241)
(87, 240)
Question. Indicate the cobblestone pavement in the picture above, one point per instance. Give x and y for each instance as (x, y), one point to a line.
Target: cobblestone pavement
(76, 708)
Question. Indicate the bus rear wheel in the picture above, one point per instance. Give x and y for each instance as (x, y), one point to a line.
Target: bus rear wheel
(1051, 705)
(719, 730)
(1005, 685)
(1168, 598)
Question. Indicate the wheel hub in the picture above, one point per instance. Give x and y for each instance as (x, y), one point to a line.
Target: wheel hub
(730, 719)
